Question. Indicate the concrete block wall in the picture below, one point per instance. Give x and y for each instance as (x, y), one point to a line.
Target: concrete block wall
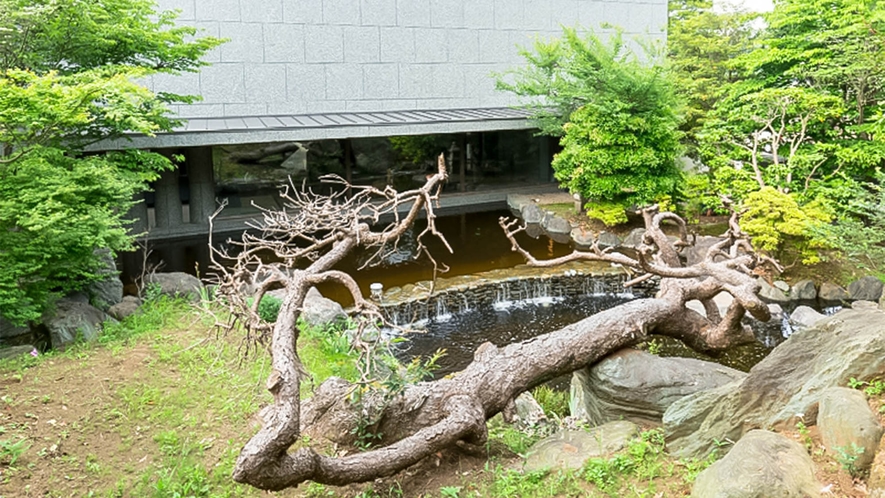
(307, 56)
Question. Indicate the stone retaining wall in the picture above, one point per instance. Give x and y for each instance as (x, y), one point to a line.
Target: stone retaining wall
(485, 292)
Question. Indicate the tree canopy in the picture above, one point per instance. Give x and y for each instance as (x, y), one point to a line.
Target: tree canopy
(69, 76)
(615, 111)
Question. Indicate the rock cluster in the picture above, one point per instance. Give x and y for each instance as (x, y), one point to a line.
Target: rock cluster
(703, 405)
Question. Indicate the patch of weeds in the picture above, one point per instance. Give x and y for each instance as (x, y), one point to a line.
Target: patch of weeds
(450, 491)
(805, 434)
(317, 490)
(873, 388)
(509, 483)
(515, 440)
(554, 402)
(268, 308)
(326, 352)
(11, 451)
(847, 457)
(642, 469)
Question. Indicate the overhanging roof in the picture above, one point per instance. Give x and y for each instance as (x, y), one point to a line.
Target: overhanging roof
(196, 132)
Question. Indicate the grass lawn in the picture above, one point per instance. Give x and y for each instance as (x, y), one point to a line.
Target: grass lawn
(161, 406)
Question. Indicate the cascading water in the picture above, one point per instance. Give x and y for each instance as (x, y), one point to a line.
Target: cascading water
(442, 313)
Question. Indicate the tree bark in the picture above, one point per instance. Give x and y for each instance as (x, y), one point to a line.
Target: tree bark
(427, 417)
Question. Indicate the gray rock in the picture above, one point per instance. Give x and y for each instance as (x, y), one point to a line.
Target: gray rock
(882, 303)
(319, 311)
(761, 464)
(516, 202)
(128, 306)
(771, 293)
(8, 330)
(786, 383)
(582, 239)
(782, 286)
(702, 244)
(71, 321)
(723, 300)
(14, 351)
(529, 411)
(608, 239)
(532, 214)
(865, 289)
(639, 386)
(108, 291)
(634, 238)
(804, 317)
(570, 449)
(846, 421)
(554, 225)
(832, 292)
(864, 305)
(176, 284)
(803, 291)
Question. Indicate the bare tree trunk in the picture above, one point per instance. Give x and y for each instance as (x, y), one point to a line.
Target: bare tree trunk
(427, 417)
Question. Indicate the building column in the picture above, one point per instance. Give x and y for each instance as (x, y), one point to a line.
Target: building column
(462, 159)
(544, 156)
(138, 215)
(168, 200)
(201, 180)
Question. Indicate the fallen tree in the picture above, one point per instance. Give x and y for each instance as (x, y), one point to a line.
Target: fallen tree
(314, 232)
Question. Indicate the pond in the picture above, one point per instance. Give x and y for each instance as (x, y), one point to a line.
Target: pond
(479, 247)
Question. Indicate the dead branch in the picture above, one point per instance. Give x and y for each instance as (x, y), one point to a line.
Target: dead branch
(314, 232)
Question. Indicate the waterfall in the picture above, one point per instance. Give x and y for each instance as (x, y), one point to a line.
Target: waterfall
(786, 327)
(442, 313)
(503, 300)
(464, 307)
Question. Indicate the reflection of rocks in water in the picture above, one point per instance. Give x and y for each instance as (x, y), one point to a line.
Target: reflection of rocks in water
(405, 250)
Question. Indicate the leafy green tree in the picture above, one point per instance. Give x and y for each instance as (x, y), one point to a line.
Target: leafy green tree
(702, 45)
(616, 114)
(68, 78)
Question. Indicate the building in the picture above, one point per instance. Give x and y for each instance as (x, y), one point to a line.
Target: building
(338, 75)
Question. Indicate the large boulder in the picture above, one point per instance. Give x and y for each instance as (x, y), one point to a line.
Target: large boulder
(516, 202)
(804, 290)
(128, 306)
(697, 252)
(319, 311)
(8, 331)
(805, 317)
(865, 289)
(582, 239)
(762, 464)
(15, 351)
(770, 293)
(107, 291)
(570, 449)
(608, 240)
(555, 225)
(832, 293)
(847, 423)
(639, 386)
(176, 284)
(532, 214)
(787, 383)
(71, 321)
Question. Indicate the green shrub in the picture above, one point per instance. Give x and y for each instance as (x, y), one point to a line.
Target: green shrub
(554, 402)
(269, 308)
(609, 213)
(772, 217)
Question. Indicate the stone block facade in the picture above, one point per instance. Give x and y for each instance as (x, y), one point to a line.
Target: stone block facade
(308, 56)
